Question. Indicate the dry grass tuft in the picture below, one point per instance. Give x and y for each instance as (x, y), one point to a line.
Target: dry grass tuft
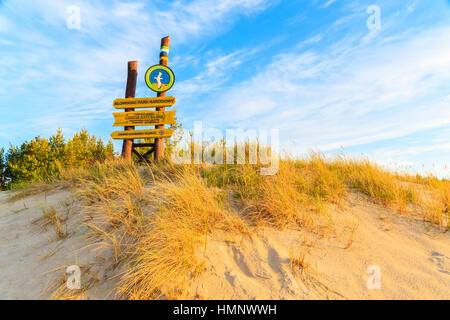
(298, 194)
(351, 226)
(51, 217)
(380, 185)
(281, 201)
(301, 260)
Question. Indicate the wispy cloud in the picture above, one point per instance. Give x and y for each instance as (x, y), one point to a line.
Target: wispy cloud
(214, 72)
(328, 3)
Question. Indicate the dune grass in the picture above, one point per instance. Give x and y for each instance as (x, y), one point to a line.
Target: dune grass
(157, 219)
(51, 217)
(168, 254)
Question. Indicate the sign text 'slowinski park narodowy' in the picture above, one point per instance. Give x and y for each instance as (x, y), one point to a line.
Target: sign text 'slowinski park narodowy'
(159, 78)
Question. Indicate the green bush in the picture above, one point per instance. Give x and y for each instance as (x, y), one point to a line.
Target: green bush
(41, 158)
(2, 161)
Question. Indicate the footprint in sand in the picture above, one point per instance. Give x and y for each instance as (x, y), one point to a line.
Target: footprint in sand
(442, 261)
(241, 262)
(235, 280)
(232, 277)
(274, 260)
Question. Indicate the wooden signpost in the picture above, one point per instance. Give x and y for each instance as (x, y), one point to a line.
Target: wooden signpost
(159, 78)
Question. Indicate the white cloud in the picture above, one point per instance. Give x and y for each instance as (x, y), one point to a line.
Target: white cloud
(214, 73)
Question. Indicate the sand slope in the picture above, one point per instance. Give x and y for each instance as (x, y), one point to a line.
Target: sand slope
(414, 257)
(33, 259)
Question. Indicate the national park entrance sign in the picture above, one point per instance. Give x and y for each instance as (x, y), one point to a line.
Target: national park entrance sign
(159, 78)
(144, 102)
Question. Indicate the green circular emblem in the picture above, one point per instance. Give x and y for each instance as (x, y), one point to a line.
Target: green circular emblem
(159, 78)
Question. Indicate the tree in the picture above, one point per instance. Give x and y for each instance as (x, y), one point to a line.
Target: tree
(42, 159)
(2, 152)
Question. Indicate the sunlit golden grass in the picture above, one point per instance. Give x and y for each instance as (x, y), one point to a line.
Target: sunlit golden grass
(171, 251)
(157, 219)
(114, 198)
(442, 189)
(375, 182)
(284, 200)
(445, 200)
(320, 179)
(300, 260)
(433, 197)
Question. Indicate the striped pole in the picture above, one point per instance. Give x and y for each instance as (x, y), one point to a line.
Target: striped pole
(164, 60)
(164, 54)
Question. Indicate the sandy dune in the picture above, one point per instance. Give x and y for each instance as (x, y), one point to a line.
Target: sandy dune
(32, 258)
(414, 262)
(413, 257)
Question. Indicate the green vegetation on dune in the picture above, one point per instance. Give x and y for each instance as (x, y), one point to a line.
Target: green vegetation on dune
(42, 159)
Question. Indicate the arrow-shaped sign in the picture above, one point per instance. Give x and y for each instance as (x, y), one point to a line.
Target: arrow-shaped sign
(143, 118)
(142, 134)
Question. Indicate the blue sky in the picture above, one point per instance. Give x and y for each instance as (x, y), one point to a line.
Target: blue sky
(313, 69)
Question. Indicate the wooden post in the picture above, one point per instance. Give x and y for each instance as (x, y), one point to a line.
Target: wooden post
(164, 60)
(130, 92)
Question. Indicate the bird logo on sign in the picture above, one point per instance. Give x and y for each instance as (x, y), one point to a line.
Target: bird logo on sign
(158, 79)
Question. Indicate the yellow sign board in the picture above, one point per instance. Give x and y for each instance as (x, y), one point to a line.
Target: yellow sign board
(142, 134)
(144, 102)
(143, 118)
